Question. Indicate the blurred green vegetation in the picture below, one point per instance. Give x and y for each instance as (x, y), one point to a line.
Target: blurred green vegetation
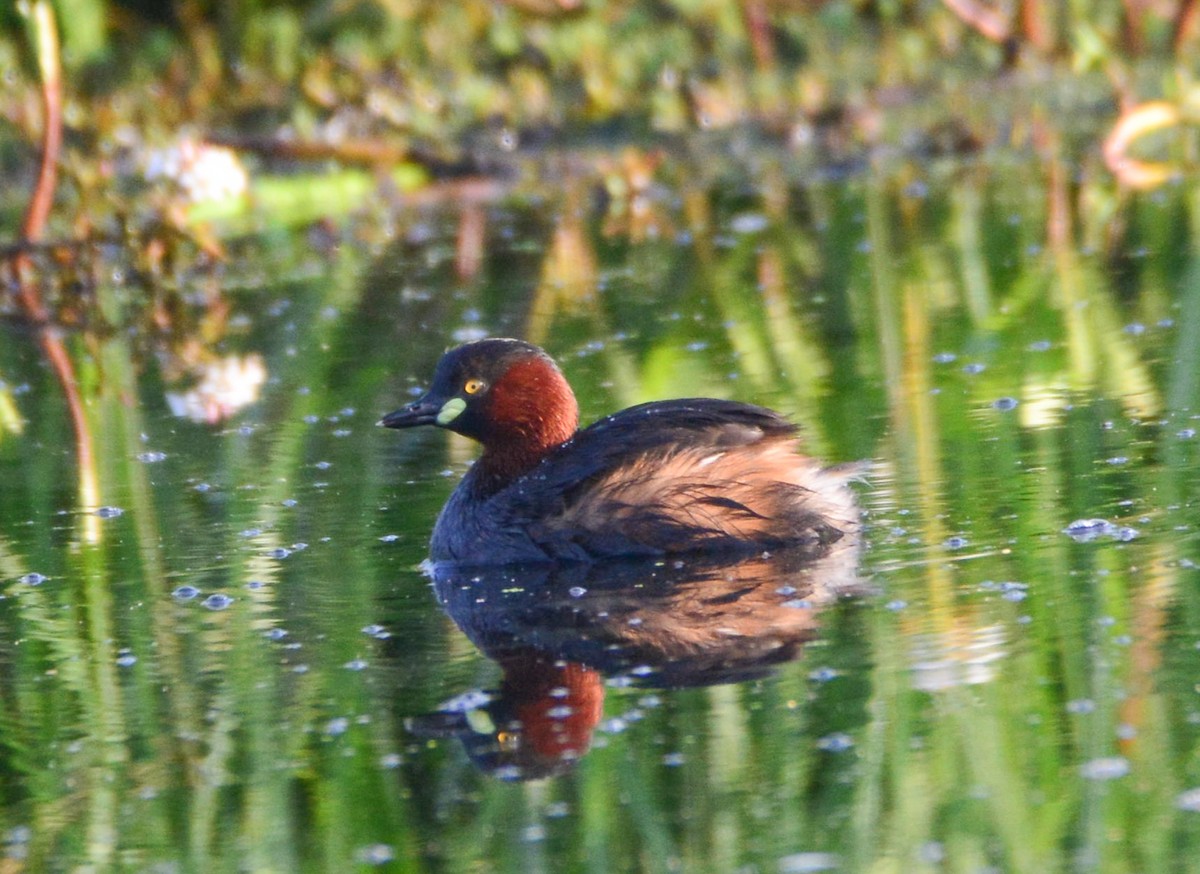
(429, 71)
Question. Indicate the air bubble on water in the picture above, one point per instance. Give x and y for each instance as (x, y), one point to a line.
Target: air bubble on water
(109, 512)
(809, 863)
(375, 854)
(1104, 768)
(749, 223)
(217, 601)
(1189, 800)
(32, 579)
(151, 457)
(835, 743)
(185, 593)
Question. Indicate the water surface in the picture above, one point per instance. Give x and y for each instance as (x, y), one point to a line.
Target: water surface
(233, 660)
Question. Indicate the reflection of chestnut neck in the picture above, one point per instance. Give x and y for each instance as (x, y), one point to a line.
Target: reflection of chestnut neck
(530, 411)
(557, 703)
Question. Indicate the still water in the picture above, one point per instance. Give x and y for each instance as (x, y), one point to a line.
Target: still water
(232, 660)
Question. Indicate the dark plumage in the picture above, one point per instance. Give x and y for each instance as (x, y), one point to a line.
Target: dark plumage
(665, 477)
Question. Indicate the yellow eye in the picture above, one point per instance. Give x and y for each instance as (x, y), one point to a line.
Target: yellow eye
(473, 386)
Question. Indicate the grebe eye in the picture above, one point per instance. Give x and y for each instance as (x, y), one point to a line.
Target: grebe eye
(473, 386)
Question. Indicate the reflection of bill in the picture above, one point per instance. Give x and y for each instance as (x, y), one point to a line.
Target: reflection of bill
(556, 631)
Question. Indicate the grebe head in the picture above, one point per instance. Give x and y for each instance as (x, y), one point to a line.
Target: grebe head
(507, 394)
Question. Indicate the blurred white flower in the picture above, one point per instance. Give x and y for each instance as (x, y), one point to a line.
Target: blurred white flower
(202, 171)
(225, 387)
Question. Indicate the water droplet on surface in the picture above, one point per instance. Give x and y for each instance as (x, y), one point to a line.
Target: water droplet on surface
(809, 863)
(217, 601)
(835, 743)
(374, 854)
(1086, 530)
(337, 725)
(1105, 768)
(1189, 800)
(748, 223)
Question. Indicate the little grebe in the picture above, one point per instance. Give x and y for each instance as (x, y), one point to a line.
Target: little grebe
(666, 477)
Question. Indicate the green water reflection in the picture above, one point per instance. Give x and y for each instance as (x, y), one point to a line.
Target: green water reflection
(231, 672)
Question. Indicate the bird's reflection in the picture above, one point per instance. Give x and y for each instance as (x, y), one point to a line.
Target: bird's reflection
(558, 631)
